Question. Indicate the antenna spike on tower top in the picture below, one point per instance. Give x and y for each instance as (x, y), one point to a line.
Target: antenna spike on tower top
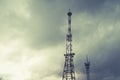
(69, 10)
(87, 58)
(87, 67)
(69, 13)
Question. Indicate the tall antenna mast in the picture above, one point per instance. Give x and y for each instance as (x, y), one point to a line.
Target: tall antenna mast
(87, 67)
(68, 71)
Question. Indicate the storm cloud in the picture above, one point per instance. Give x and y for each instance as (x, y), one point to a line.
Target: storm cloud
(32, 38)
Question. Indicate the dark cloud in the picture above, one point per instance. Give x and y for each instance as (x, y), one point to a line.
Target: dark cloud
(89, 5)
(95, 28)
(93, 7)
(104, 58)
(48, 19)
(108, 63)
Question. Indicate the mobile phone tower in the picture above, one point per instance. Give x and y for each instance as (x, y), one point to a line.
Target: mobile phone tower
(68, 71)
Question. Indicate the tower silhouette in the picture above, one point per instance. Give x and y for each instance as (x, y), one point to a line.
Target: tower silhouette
(68, 71)
(87, 67)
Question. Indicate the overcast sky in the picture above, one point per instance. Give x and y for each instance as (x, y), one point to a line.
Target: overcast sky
(32, 38)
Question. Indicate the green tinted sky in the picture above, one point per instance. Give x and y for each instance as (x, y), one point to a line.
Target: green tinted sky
(32, 38)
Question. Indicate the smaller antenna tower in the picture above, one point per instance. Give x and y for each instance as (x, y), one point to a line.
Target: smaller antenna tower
(87, 67)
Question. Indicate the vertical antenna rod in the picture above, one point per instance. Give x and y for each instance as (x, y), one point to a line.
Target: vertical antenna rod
(68, 71)
(87, 67)
(69, 35)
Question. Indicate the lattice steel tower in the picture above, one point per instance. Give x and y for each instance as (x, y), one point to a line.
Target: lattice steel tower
(68, 71)
(87, 67)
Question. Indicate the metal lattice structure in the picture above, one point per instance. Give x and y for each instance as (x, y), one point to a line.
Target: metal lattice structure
(87, 67)
(68, 71)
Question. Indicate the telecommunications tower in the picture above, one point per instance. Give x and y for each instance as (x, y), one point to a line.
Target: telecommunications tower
(87, 67)
(68, 71)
